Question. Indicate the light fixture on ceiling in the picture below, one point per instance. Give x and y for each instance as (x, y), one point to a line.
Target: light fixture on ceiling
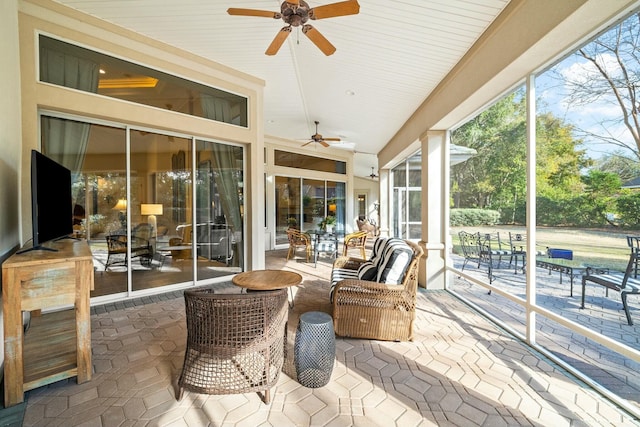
(372, 175)
(128, 83)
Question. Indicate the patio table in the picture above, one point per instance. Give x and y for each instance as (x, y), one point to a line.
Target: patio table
(267, 280)
(570, 267)
(325, 242)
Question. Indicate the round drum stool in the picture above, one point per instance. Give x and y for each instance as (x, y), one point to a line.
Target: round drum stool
(314, 349)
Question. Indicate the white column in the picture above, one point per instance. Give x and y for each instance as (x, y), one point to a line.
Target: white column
(385, 202)
(254, 208)
(531, 209)
(435, 208)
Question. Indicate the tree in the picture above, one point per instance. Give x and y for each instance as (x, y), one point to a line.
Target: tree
(559, 158)
(496, 177)
(601, 191)
(620, 163)
(609, 74)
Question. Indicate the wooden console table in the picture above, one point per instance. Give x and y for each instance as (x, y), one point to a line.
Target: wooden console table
(56, 346)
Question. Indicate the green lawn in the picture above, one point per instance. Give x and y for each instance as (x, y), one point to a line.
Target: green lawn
(602, 248)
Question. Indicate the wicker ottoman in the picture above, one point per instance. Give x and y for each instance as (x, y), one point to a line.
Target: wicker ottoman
(314, 349)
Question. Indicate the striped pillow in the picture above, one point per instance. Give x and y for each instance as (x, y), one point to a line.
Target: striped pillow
(394, 261)
(376, 252)
(377, 247)
(367, 271)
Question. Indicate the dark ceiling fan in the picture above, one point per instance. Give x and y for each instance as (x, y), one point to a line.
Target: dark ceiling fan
(296, 13)
(372, 175)
(316, 137)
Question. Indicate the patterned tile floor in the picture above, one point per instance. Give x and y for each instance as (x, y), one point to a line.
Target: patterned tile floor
(460, 370)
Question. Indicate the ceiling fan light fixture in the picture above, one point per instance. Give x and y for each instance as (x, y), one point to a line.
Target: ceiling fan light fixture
(318, 138)
(373, 175)
(296, 13)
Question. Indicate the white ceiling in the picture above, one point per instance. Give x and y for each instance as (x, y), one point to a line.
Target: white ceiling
(390, 56)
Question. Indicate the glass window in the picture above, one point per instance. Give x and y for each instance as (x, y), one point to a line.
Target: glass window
(220, 207)
(313, 203)
(415, 170)
(362, 205)
(72, 66)
(302, 161)
(99, 189)
(160, 206)
(287, 206)
(304, 203)
(336, 203)
(156, 248)
(407, 198)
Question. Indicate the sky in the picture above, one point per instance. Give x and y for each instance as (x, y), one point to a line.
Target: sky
(602, 116)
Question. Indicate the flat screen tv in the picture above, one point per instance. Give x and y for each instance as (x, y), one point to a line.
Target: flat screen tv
(51, 202)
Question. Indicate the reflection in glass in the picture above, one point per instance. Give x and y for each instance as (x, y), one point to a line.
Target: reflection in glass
(99, 188)
(72, 66)
(313, 203)
(304, 203)
(219, 209)
(156, 248)
(160, 208)
(287, 206)
(303, 161)
(336, 203)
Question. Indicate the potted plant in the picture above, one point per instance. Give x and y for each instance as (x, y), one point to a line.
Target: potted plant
(328, 223)
(291, 222)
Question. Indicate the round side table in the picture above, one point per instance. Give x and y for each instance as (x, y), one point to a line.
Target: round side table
(314, 349)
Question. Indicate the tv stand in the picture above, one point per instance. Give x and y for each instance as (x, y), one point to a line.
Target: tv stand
(37, 248)
(68, 237)
(58, 343)
(46, 248)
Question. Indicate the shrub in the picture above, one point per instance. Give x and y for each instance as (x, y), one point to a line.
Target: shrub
(473, 217)
(628, 207)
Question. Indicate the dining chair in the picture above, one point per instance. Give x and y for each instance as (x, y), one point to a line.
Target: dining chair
(355, 240)
(298, 239)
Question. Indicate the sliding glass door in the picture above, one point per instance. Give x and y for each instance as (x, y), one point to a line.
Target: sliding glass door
(160, 208)
(219, 208)
(153, 218)
(303, 203)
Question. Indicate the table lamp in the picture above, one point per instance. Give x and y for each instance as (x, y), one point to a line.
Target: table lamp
(152, 209)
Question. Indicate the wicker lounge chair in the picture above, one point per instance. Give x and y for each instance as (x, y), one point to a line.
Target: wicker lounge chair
(235, 342)
(372, 309)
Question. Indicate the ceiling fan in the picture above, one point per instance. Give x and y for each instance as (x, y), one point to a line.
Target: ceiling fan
(296, 13)
(316, 137)
(372, 175)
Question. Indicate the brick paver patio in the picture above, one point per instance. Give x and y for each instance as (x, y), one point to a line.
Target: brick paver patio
(461, 370)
